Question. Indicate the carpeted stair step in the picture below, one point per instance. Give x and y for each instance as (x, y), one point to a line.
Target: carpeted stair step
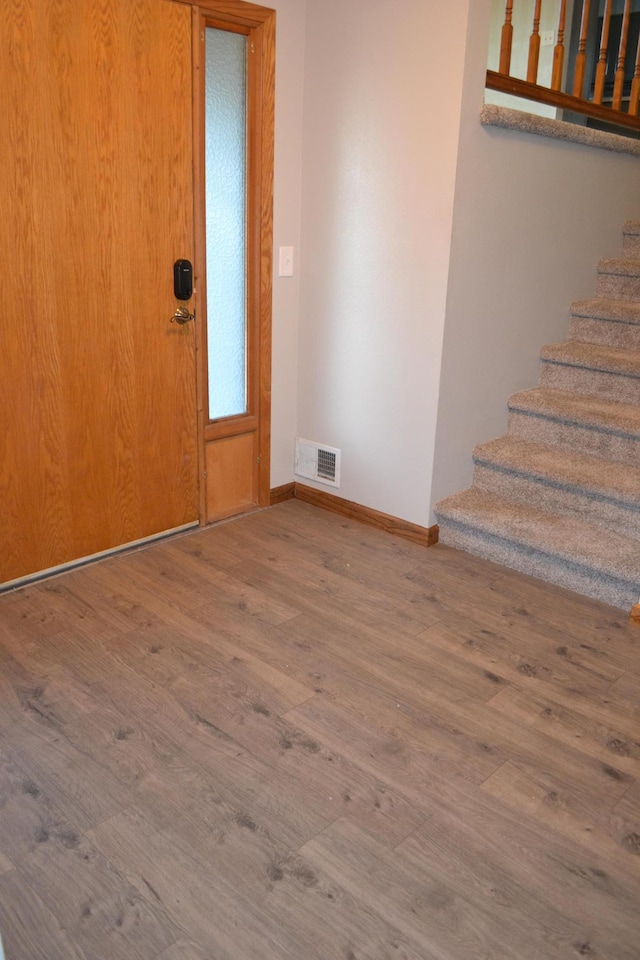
(562, 550)
(613, 323)
(589, 368)
(603, 428)
(564, 482)
(619, 279)
(631, 239)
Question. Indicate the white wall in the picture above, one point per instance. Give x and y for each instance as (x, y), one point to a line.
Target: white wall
(366, 154)
(290, 34)
(381, 118)
(532, 218)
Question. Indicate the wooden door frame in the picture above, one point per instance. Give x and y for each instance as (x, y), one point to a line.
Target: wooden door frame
(261, 23)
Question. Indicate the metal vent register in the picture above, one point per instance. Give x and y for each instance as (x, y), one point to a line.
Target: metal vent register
(317, 462)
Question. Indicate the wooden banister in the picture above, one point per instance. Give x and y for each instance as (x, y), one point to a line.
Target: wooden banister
(555, 98)
(601, 69)
(622, 56)
(506, 40)
(599, 95)
(534, 45)
(581, 58)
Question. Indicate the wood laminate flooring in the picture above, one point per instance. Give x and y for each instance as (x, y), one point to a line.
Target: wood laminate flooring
(294, 737)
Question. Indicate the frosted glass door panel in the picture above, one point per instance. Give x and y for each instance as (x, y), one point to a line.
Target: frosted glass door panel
(225, 179)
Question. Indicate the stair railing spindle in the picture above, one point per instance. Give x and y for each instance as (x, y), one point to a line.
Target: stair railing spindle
(558, 53)
(506, 40)
(534, 46)
(601, 68)
(622, 56)
(581, 56)
(634, 100)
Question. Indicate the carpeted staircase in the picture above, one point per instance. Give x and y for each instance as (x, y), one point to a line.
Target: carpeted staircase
(558, 497)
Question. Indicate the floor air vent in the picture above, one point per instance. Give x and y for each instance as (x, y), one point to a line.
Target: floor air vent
(317, 462)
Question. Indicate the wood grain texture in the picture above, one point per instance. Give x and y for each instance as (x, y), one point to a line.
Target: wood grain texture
(428, 536)
(294, 735)
(231, 476)
(97, 387)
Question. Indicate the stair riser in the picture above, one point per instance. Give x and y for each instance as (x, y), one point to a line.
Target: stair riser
(612, 286)
(599, 383)
(570, 436)
(607, 333)
(563, 500)
(631, 245)
(536, 564)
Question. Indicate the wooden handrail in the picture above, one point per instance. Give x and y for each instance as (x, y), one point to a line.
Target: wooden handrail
(554, 98)
(586, 47)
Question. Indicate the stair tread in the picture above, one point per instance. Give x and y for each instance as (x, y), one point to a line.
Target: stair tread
(610, 416)
(631, 226)
(603, 478)
(593, 356)
(620, 266)
(603, 308)
(567, 538)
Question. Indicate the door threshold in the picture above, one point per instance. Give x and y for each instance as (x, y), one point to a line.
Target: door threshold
(93, 558)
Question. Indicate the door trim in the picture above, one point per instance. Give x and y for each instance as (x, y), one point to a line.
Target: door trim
(260, 21)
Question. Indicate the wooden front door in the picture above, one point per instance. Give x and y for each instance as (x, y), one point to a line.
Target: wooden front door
(98, 437)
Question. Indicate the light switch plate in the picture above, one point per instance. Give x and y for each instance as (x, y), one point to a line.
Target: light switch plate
(285, 262)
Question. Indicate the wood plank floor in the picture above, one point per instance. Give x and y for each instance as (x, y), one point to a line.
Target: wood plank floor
(294, 737)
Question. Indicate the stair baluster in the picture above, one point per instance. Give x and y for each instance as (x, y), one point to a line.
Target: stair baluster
(581, 57)
(534, 46)
(558, 53)
(506, 41)
(601, 68)
(622, 56)
(634, 100)
(584, 50)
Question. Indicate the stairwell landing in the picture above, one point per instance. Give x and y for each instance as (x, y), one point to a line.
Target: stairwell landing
(558, 497)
